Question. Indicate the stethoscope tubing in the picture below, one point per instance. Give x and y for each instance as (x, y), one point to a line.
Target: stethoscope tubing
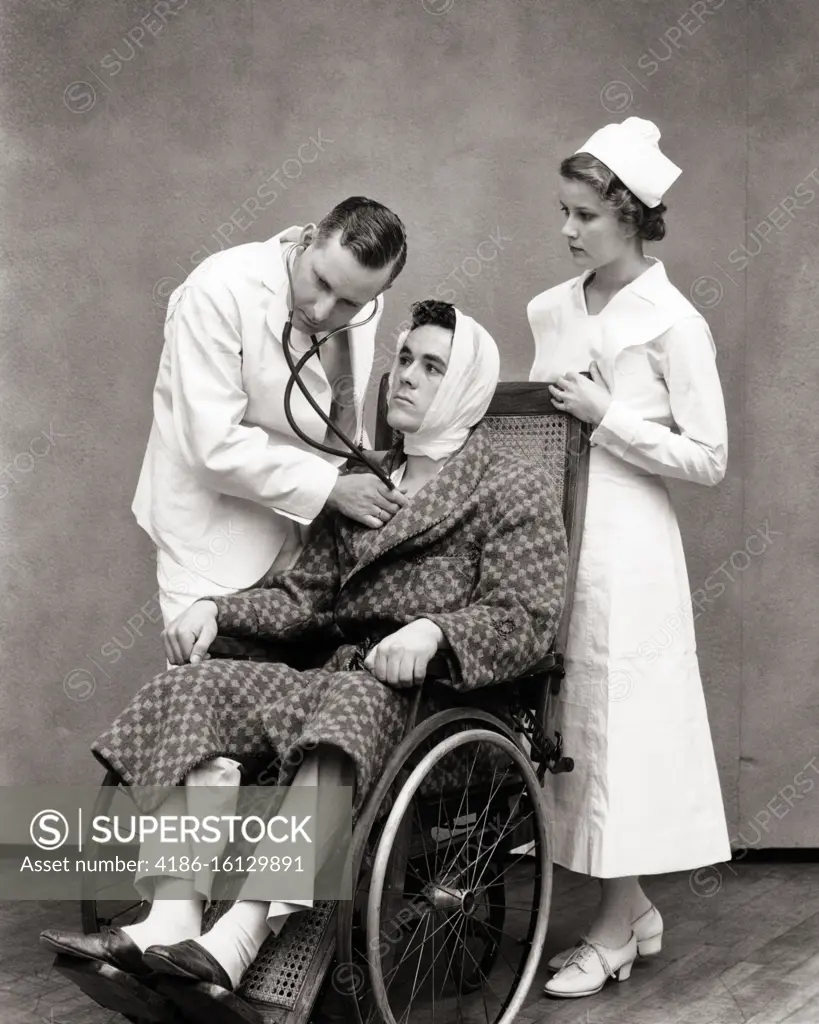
(295, 369)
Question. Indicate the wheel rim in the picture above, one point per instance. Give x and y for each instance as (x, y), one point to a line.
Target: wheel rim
(472, 859)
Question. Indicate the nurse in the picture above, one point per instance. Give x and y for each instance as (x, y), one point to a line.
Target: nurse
(644, 797)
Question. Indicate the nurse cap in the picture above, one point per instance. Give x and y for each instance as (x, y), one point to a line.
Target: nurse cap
(632, 152)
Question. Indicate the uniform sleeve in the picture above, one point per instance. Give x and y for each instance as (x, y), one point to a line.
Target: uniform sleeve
(293, 605)
(515, 609)
(209, 405)
(699, 452)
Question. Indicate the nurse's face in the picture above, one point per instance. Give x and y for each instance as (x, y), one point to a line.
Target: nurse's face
(422, 363)
(330, 286)
(595, 236)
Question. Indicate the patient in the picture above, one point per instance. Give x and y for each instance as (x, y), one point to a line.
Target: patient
(474, 566)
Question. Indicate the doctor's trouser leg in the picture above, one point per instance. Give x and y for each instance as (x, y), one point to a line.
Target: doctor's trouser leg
(179, 588)
(238, 935)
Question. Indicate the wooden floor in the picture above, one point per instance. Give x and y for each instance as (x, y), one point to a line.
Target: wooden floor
(744, 949)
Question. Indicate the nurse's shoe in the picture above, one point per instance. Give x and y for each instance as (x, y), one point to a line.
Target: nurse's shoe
(648, 928)
(589, 967)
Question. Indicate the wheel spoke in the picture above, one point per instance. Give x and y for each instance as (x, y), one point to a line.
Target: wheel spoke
(503, 934)
(408, 951)
(485, 815)
(415, 981)
(471, 832)
(501, 874)
(493, 848)
(464, 950)
(465, 793)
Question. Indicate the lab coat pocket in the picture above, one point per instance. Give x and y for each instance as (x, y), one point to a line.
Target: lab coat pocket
(182, 506)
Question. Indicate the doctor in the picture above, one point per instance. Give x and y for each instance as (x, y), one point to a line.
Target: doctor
(644, 797)
(227, 490)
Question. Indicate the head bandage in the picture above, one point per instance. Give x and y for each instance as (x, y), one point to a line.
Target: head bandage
(464, 394)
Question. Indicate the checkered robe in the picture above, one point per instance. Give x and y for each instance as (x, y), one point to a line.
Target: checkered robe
(481, 551)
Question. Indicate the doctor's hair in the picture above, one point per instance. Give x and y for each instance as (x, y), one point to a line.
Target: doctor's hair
(376, 235)
(432, 311)
(647, 221)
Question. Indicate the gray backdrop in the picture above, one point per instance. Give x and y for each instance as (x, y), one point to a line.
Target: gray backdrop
(138, 136)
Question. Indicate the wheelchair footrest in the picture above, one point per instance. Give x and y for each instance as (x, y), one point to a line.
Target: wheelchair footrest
(284, 981)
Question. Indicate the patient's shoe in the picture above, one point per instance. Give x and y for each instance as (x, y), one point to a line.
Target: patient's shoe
(589, 967)
(188, 960)
(109, 946)
(648, 928)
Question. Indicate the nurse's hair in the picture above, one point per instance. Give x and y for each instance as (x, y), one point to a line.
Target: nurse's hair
(647, 221)
(376, 235)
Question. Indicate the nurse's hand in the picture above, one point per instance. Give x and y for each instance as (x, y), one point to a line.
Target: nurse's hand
(401, 659)
(365, 498)
(189, 636)
(586, 399)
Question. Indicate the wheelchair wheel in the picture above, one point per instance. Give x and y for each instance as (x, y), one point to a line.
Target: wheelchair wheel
(467, 904)
(99, 907)
(350, 976)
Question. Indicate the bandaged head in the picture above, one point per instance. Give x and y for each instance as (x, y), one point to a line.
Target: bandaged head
(631, 151)
(464, 394)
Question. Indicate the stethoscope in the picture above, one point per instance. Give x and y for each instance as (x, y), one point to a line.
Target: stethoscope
(295, 368)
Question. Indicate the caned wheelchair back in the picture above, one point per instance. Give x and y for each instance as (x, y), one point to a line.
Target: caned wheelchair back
(283, 982)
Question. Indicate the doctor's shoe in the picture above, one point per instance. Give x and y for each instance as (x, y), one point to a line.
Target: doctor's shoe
(589, 967)
(648, 928)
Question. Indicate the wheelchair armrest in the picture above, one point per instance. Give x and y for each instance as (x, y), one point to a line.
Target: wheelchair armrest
(548, 671)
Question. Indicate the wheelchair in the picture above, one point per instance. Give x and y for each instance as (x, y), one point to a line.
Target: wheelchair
(450, 858)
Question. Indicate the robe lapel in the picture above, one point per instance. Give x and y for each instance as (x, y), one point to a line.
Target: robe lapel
(441, 499)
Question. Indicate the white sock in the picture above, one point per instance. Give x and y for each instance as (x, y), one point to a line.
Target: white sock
(169, 920)
(236, 938)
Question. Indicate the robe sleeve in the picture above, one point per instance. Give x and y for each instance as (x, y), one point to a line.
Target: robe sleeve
(699, 452)
(515, 608)
(210, 402)
(293, 605)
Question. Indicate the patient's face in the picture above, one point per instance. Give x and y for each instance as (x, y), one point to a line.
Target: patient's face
(422, 363)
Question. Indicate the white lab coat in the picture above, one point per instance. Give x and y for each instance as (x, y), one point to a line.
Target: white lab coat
(225, 483)
(644, 796)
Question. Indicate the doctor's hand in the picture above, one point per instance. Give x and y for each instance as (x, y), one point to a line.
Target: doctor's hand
(366, 499)
(586, 399)
(401, 659)
(189, 636)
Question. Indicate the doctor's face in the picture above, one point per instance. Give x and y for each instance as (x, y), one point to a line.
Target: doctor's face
(595, 235)
(330, 286)
(422, 363)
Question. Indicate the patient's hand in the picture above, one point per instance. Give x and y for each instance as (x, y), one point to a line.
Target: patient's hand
(190, 634)
(401, 658)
